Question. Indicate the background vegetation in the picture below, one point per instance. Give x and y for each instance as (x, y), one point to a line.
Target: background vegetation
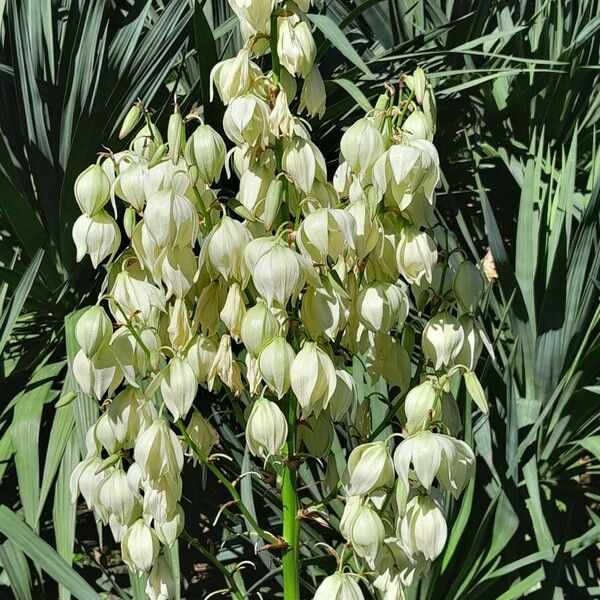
(519, 107)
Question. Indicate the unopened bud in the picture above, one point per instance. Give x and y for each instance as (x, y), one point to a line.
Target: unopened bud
(93, 330)
(131, 120)
(92, 190)
(140, 547)
(266, 431)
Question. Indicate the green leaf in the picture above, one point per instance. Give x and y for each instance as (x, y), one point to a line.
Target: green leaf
(42, 554)
(17, 301)
(354, 91)
(339, 41)
(591, 444)
(17, 569)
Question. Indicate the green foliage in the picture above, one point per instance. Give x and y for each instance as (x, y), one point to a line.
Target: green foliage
(519, 103)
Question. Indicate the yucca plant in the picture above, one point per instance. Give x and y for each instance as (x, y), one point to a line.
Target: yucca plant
(518, 104)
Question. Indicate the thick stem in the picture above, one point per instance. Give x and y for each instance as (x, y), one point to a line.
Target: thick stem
(289, 492)
(289, 500)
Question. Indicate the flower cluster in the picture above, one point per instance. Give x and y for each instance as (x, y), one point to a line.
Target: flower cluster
(267, 297)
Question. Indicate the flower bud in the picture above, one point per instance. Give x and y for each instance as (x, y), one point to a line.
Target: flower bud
(326, 232)
(175, 135)
(274, 362)
(202, 433)
(382, 306)
(344, 396)
(421, 406)
(246, 121)
(234, 310)
(158, 451)
(266, 431)
(234, 76)
(339, 586)
(416, 255)
(93, 330)
(200, 356)
(313, 96)
(443, 338)
(423, 528)
(140, 547)
(295, 45)
(366, 532)
(281, 121)
(313, 379)
(258, 327)
(273, 199)
(99, 236)
(92, 190)
(468, 286)
(361, 145)
(131, 120)
(178, 387)
(223, 249)
(206, 150)
(160, 584)
(370, 467)
(324, 311)
(316, 433)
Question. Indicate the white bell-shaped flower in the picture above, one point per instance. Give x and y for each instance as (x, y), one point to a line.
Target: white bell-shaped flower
(132, 296)
(258, 326)
(344, 396)
(168, 531)
(366, 532)
(361, 145)
(200, 356)
(274, 362)
(443, 339)
(416, 255)
(160, 584)
(226, 368)
(302, 161)
(246, 121)
(117, 498)
(421, 406)
(313, 378)
(171, 219)
(178, 387)
(367, 229)
(382, 306)
(324, 311)
(370, 467)
(140, 547)
(223, 249)
(233, 311)
(97, 376)
(423, 528)
(128, 414)
(472, 346)
(435, 455)
(158, 452)
(93, 330)
(339, 586)
(327, 232)
(98, 235)
(92, 190)
(266, 430)
(205, 149)
(177, 268)
(313, 96)
(281, 120)
(296, 47)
